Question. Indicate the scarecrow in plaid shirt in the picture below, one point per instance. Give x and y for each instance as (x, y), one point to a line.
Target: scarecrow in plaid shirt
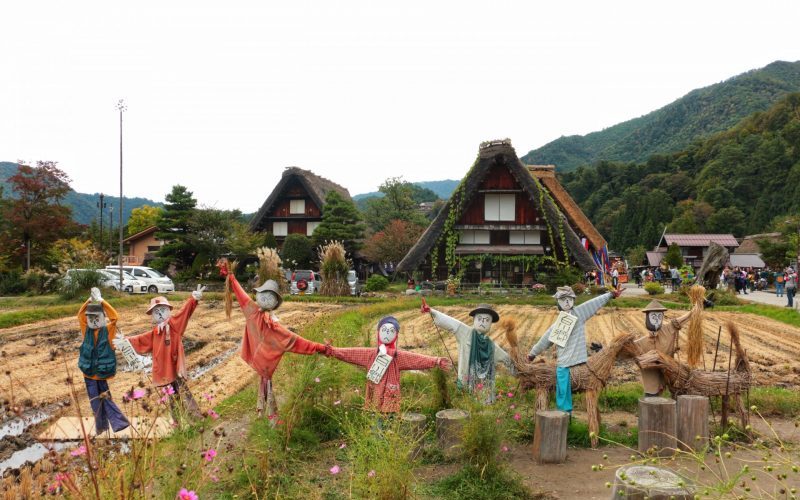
(384, 364)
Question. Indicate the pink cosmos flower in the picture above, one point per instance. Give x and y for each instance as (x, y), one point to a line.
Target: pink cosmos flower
(517, 416)
(371, 473)
(335, 469)
(316, 379)
(343, 446)
(168, 390)
(479, 386)
(214, 415)
(513, 406)
(208, 396)
(81, 450)
(163, 400)
(185, 494)
(337, 402)
(210, 454)
(510, 394)
(505, 449)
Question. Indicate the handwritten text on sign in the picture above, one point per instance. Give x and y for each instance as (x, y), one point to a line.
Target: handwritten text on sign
(378, 368)
(562, 329)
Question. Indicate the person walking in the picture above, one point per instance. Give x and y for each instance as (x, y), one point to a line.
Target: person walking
(791, 286)
(779, 284)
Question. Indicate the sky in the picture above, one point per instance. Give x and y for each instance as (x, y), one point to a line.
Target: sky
(222, 98)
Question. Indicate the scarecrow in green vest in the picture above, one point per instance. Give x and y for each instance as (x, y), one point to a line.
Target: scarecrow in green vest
(98, 362)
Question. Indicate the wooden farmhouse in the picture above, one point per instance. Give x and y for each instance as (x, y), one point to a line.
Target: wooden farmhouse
(505, 223)
(295, 205)
(142, 247)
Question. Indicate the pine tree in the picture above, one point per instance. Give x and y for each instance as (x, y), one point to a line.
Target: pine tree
(173, 229)
(341, 221)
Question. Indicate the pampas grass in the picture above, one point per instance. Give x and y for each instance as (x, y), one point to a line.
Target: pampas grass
(269, 267)
(334, 267)
(228, 292)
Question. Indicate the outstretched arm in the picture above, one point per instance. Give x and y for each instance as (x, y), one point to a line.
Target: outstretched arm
(142, 343)
(82, 315)
(414, 361)
(590, 307)
(241, 295)
(359, 356)
(111, 320)
(681, 320)
(501, 356)
(180, 319)
(543, 344)
(300, 344)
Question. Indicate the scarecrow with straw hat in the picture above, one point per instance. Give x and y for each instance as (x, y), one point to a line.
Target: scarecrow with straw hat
(569, 335)
(477, 352)
(384, 364)
(663, 337)
(165, 342)
(265, 340)
(98, 362)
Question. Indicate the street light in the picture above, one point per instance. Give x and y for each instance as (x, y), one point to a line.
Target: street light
(120, 107)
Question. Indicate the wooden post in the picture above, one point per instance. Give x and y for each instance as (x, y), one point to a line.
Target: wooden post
(449, 426)
(692, 422)
(657, 429)
(637, 482)
(415, 425)
(550, 437)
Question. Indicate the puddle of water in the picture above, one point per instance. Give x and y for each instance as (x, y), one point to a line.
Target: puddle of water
(17, 426)
(38, 451)
(216, 361)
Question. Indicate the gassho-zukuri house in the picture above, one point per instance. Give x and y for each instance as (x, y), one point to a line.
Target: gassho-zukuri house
(505, 223)
(295, 205)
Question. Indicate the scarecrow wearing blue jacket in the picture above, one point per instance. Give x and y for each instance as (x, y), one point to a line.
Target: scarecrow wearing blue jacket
(573, 352)
(98, 362)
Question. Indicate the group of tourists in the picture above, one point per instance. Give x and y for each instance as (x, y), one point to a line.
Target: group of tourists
(747, 280)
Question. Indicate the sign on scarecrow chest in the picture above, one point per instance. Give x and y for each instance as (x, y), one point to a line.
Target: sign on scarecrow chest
(562, 328)
(378, 368)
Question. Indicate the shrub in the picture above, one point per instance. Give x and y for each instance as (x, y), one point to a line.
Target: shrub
(376, 283)
(38, 281)
(79, 283)
(653, 288)
(11, 283)
(724, 298)
(597, 290)
(579, 288)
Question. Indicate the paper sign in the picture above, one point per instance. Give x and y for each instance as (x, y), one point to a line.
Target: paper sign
(135, 362)
(378, 368)
(562, 328)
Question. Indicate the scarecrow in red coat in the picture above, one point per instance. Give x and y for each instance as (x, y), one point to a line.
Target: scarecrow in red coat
(384, 364)
(165, 342)
(265, 340)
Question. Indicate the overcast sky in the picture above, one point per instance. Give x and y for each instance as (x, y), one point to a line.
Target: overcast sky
(221, 99)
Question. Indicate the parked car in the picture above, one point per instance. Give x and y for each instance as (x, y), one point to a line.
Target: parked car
(156, 281)
(111, 280)
(304, 282)
(352, 280)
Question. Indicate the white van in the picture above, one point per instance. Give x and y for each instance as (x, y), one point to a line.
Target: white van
(155, 280)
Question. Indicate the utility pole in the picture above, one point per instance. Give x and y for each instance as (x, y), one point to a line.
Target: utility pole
(121, 107)
(101, 205)
(111, 230)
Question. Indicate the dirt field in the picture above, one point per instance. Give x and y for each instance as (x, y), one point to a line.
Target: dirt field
(772, 346)
(39, 356)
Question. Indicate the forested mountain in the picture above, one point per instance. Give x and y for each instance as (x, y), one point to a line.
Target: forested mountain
(737, 181)
(674, 127)
(84, 205)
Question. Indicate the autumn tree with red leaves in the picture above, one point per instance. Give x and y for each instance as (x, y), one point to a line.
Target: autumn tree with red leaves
(34, 215)
(394, 242)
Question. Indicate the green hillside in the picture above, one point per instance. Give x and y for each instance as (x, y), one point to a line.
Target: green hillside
(84, 205)
(738, 181)
(700, 113)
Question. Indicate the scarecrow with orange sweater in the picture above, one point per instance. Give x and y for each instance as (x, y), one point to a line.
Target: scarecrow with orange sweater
(165, 342)
(265, 340)
(98, 362)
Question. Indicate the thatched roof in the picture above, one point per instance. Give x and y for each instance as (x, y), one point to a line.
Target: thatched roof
(316, 186)
(547, 176)
(750, 243)
(490, 154)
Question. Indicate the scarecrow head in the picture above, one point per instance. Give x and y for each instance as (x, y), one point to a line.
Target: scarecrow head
(654, 316)
(388, 328)
(268, 296)
(565, 298)
(95, 316)
(160, 310)
(482, 318)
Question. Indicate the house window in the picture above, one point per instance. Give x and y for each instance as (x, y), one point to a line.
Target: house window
(524, 237)
(469, 237)
(280, 228)
(297, 207)
(310, 227)
(499, 207)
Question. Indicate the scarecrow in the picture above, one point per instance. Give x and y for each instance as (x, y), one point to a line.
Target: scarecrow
(477, 352)
(265, 339)
(165, 342)
(569, 335)
(98, 362)
(384, 365)
(662, 337)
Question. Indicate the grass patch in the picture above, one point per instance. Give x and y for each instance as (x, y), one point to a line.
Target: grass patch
(470, 483)
(770, 401)
(782, 314)
(578, 435)
(623, 397)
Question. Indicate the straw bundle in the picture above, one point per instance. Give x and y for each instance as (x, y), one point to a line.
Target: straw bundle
(334, 267)
(228, 293)
(694, 345)
(269, 267)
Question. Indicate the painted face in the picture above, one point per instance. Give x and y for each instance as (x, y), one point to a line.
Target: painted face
(566, 303)
(387, 333)
(654, 320)
(267, 301)
(482, 322)
(161, 314)
(96, 321)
